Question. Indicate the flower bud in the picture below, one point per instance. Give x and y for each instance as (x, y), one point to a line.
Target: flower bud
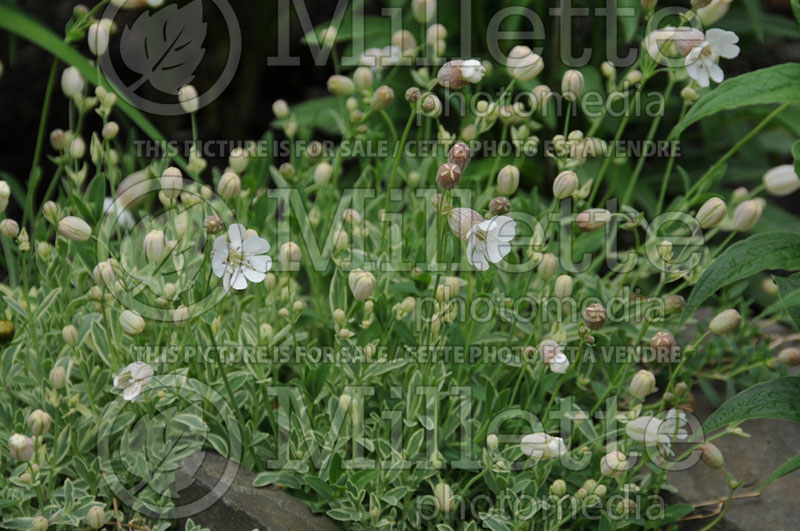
(595, 316)
(713, 11)
(461, 221)
(155, 245)
(558, 488)
(508, 180)
(237, 160)
(72, 82)
(499, 206)
(363, 78)
(712, 456)
(711, 213)
(77, 148)
(572, 85)
(103, 274)
(448, 176)
(131, 322)
(405, 41)
(642, 384)
(662, 342)
(58, 139)
(70, 335)
(689, 94)
(96, 517)
(382, 98)
(747, 215)
(523, 64)
(460, 155)
(322, 173)
(626, 506)
(413, 94)
(339, 85)
(674, 303)
(341, 240)
(21, 447)
(613, 465)
(40, 523)
(39, 422)
(431, 105)
(74, 228)
(725, 322)
(180, 316)
(58, 377)
(171, 182)
(548, 266)
(435, 33)
(229, 185)
(188, 98)
(790, 357)
(593, 219)
(740, 194)
(443, 494)
(289, 255)
(608, 70)
(565, 184)
(213, 224)
(9, 228)
(563, 287)
(423, 10)
(98, 36)
(110, 131)
(492, 442)
(781, 181)
(362, 284)
(280, 109)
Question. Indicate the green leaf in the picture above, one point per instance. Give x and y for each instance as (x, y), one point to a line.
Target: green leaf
(796, 153)
(776, 84)
(756, 17)
(776, 399)
(788, 467)
(786, 287)
(773, 250)
(796, 11)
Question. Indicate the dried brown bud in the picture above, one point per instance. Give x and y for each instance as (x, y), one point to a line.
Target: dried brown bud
(460, 155)
(499, 206)
(448, 176)
(413, 94)
(595, 316)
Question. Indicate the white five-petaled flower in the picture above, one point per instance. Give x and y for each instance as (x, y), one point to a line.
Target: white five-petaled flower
(237, 260)
(472, 70)
(701, 63)
(653, 431)
(488, 241)
(133, 379)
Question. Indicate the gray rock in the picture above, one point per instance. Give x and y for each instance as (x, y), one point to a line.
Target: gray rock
(242, 507)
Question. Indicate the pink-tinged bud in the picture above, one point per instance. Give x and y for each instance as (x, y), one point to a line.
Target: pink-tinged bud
(523, 64)
(662, 342)
(595, 316)
(572, 85)
(593, 219)
(508, 180)
(341, 85)
(20, 447)
(613, 465)
(685, 39)
(499, 206)
(413, 94)
(712, 456)
(790, 357)
(565, 184)
(382, 98)
(460, 155)
(213, 224)
(449, 75)
(448, 176)
(461, 221)
(712, 213)
(642, 384)
(747, 215)
(725, 322)
(781, 181)
(74, 228)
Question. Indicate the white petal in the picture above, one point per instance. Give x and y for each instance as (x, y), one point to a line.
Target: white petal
(221, 245)
(226, 280)
(494, 253)
(477, 257)
(132, 391)
(238, 280)
(252, 275)
(506, 228)
(236, 233)
(219, 265)
(261, 263)
(716, 72)
(255, 245)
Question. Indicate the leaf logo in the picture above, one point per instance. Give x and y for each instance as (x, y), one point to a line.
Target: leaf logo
(165, 48)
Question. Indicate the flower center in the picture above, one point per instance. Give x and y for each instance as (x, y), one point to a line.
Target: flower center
(480, 234)
(235, 258)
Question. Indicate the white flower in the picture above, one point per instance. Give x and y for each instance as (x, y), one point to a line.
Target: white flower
(782, 180)
(124, 217)
(133, 379)
(472, 70)
(701, 63)
(237, 259)
(377, 58)
(488, 241)
(542, 446)
(652, 431)
(560, 363)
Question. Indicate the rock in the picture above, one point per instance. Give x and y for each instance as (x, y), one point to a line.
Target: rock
(242, 507)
